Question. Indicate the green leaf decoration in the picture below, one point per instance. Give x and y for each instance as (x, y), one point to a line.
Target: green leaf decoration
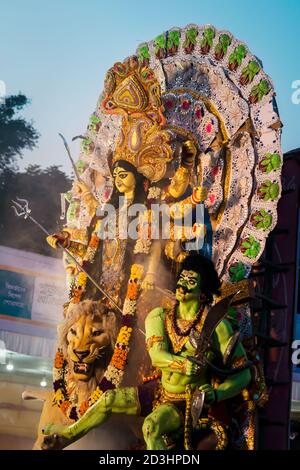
(94, 121)
(272, 162)
(263, 89)
(237, 272)
(173, 39)
(208, 36)
(143, 53)
(253, 247)
(190, 37)
(241, 52)
(246, 245)
(251, 70)
(260, 90)
(160, 42)
(264, 86)
(255, 90)
(68, 196)
(238, 54)
(225, 40)
(218, 48)
(86, 144)
(270, 190)
(71, 213)
(253, 67)
(264, 220)
(274, 191)
(81, 166)
(275, 161)
(222, 46)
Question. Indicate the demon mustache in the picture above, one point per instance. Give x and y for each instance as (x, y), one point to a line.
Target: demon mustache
(183, 289)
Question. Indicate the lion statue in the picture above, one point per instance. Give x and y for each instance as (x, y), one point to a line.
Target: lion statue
(86, 340)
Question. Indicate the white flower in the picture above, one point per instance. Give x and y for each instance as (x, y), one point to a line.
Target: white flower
(154, 192)
(129, 307)
(142, 246)
(114, 375)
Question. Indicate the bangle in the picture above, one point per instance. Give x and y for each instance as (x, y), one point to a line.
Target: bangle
(194, 200)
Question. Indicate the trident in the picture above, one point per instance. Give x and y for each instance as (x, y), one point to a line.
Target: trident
(21, 209)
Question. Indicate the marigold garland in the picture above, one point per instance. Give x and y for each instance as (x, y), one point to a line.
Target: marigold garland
(59, 360)
(115, 371)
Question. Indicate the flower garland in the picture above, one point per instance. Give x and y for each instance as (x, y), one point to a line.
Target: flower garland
(115, 370)
(154, 192)
(144, 242)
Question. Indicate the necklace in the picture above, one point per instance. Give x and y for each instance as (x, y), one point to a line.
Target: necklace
(190, 323)
(177, 336)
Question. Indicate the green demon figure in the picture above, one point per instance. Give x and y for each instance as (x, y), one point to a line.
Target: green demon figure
(187, 396)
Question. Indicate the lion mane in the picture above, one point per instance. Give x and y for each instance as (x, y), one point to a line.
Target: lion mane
(86, 337)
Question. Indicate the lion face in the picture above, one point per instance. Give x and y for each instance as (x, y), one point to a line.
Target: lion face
(89, 342)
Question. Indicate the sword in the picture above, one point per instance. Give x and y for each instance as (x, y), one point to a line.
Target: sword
(197, 406)
(200, 342)
(21, 209)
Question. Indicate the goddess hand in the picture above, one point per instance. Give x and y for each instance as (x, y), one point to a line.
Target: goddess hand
(62, 238)
(81, 188)
(189, 152)
(199, 193)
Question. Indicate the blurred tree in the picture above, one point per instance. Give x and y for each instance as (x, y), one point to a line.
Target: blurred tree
(42, 188)
(16, 134)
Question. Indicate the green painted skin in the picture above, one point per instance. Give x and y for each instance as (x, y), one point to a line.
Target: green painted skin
(165, 418)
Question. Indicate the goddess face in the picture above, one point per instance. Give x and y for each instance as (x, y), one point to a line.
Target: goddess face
(124, 180)
(188, 286)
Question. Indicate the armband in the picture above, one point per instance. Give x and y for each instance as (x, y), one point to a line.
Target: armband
(152, 340)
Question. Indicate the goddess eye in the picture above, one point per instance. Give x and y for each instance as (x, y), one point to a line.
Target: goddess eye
(97, 332)
(72, 331)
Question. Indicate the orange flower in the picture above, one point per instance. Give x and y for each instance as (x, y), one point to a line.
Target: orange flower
(94, 241)
(76, 295)
(83, 407)
(64, 406)
(132, 291)
(59, 360)
(119, 359)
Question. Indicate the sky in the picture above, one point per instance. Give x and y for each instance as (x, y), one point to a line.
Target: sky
(57, 53)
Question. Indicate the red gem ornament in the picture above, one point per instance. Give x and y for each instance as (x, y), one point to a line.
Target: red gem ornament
(185, 105)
